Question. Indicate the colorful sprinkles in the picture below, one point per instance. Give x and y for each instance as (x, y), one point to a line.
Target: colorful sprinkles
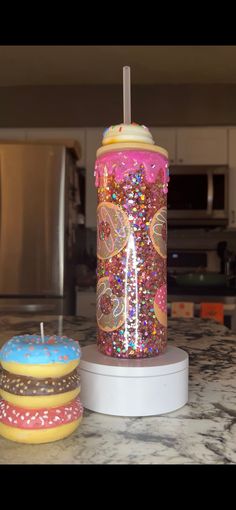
(29, 349)
(40, 418)
(31, 386)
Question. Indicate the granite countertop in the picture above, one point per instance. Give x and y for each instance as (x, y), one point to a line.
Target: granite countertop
(201, 432)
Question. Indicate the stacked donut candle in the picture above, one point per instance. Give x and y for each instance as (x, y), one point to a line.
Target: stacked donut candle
(39, 386)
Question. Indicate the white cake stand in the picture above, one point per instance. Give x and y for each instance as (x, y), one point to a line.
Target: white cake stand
(127, 387)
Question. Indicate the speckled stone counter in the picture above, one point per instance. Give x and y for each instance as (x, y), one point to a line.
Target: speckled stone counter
(202, 432)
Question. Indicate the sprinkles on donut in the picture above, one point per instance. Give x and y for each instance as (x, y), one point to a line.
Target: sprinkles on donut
(39, 386)
(39, 425)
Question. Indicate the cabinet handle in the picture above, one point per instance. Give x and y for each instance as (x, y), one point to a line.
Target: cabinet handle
(233, 216)
(171, 161)
(180, 160)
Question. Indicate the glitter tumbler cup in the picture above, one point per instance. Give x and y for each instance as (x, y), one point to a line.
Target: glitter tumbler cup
(132, 180)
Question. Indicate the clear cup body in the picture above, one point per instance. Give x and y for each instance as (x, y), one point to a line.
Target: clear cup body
(131, 252)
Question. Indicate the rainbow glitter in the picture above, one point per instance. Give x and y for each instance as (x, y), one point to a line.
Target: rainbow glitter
(132, 234)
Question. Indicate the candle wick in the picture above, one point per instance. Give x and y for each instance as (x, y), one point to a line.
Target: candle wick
(42, 332)
(60, 323)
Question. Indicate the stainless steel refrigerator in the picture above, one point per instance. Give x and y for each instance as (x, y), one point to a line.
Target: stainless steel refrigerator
(37, 228)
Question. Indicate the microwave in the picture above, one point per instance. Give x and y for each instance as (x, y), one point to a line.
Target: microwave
(198, 195)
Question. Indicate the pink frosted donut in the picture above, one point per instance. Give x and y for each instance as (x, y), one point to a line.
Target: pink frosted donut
(113, 229)
(160, 305)
(158, 231)
(39, 425)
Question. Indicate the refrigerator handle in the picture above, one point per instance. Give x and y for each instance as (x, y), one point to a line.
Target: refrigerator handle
(210, 193)
(0, 200)
(61, 225)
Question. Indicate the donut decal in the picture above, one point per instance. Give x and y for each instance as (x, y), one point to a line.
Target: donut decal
(160, 306)
(158, 231)
(110, 307)
(113, 229)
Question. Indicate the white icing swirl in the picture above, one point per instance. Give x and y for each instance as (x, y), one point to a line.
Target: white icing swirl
(122, 133)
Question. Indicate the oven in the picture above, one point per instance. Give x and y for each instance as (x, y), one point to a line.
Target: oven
(182, 261)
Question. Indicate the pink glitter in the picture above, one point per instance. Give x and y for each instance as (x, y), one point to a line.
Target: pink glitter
(134, 262)
(104, 230)
(120, 162)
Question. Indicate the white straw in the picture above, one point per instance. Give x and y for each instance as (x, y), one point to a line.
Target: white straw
(126, 95)
(42, 331)
(60, 322)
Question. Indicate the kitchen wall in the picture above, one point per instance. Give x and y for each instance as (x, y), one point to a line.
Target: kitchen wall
(75, 106)
(164, 105)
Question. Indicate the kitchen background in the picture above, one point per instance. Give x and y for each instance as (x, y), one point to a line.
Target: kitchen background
(66, 97)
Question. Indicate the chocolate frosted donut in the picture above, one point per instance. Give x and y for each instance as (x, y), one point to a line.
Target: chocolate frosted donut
(31, 392)
(31, 386)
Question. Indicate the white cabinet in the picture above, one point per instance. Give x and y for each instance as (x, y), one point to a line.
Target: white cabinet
(93, 142)
(202, 146)
(12, 134)
(166, 138)
(193, 146)
(55, 134)
(232, 178)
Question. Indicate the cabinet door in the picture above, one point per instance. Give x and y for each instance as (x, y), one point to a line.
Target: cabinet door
(202, 146)
(12, 134)
(232, 178)
(55, 134)
(166, 138)
(93, 142)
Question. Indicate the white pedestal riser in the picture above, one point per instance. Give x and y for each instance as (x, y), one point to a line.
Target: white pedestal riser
(143, 387)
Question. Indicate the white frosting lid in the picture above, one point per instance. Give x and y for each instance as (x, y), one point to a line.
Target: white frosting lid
(122, 133)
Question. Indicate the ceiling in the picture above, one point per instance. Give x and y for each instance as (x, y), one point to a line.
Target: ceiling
(77, 65)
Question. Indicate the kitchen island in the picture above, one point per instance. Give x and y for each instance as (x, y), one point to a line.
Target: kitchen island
(201, 432)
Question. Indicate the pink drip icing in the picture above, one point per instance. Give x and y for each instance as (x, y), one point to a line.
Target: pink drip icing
(120, 163)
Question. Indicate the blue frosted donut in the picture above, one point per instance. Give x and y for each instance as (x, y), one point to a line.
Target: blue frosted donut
(21, 351)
